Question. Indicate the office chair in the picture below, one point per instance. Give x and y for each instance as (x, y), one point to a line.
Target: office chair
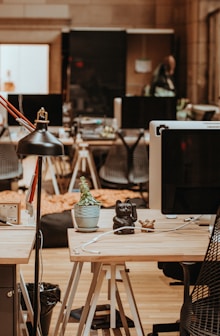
(126, 164)
(207, 116)
(11, 168)
(200, 313)
(186, 274)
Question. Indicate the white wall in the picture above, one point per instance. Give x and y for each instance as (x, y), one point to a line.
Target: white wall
(28, 66)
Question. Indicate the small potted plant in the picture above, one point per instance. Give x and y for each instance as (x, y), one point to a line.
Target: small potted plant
(87, 210)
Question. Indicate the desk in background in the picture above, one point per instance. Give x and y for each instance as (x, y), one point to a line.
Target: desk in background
(57, 165)
(186, 244)
(16, 245)
(17, 134)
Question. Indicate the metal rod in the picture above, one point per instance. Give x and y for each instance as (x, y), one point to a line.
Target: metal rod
(37, 250)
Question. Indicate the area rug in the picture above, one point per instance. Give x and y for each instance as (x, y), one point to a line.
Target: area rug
(58, 203)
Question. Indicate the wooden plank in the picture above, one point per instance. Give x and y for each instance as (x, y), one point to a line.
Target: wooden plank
(16, 245)
(167, 243)
(106, 332)
(117, 332)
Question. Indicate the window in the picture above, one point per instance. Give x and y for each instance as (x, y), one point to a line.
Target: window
(24, 68)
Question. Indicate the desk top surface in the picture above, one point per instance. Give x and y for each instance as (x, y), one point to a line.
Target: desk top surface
(16, 244)
(16, 135)
(171, 244)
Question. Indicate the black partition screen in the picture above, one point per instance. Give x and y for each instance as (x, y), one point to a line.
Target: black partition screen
(97, 71)
(30, 104)
(138, 112)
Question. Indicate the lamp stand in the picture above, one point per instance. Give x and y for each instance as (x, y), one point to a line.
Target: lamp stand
(41, 143)
(38, 240)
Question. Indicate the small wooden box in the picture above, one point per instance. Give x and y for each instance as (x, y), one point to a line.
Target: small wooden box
(10, 212)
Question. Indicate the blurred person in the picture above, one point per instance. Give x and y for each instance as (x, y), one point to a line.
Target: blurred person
(162, 83)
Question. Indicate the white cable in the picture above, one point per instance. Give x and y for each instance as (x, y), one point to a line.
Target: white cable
(41, 256)
(95, 239)
(10, 224)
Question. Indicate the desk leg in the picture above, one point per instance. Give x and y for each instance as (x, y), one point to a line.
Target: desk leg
(132, 302)
(82, 157)
(91, 301)
(75, 165)
(112, 295)
(113, 276)
(90, 306)
(54, 180)
(23, 330)
(100, 271)
(122, 313)
(93, 171)
(28, 304)
(68, 298)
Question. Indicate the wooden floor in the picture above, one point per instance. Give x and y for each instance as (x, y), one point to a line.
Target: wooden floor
(156, 300)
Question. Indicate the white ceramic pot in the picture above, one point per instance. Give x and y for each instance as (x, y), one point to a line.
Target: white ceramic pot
(86, 216)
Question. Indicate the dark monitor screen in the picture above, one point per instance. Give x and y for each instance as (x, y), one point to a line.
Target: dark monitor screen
(30, 104)
(138, 111)
(98, 67)
(190, 166)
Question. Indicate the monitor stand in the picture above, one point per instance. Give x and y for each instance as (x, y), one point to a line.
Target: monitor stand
(171, 216)
(211, 224)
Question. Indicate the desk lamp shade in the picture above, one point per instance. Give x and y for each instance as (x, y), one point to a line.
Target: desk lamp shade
(40, 141)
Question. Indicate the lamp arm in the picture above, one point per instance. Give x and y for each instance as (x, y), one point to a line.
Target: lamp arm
(23, 121)
(14, 112)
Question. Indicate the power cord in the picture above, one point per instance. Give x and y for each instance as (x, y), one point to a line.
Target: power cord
(83, 246)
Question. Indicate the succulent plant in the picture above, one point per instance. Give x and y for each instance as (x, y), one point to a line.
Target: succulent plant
(86, 197)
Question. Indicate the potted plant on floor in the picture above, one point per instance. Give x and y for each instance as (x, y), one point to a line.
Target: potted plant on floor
(87, 210)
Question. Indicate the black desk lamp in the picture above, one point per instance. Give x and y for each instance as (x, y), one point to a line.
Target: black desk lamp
(41, 143)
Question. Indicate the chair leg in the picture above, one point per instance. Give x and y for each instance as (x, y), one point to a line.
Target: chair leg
(184, 332)
(170, 327)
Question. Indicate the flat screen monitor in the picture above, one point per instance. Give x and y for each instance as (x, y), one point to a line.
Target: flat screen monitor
(138, 111)
(184, 161)
(29, 105)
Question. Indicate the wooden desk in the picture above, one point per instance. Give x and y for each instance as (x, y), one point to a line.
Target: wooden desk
(113, 251)
(16, 245)
(104, 142)
(16, 135)
(83, 157)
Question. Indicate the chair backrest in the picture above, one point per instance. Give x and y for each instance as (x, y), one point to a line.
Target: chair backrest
(200, 314)
(10, 164)
(127, 161)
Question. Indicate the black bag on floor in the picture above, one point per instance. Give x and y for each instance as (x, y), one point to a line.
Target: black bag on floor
(54, 228)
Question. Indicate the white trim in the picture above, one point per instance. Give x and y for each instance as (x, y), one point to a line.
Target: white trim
(127, 30)
(98, 28)
(150, 31)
